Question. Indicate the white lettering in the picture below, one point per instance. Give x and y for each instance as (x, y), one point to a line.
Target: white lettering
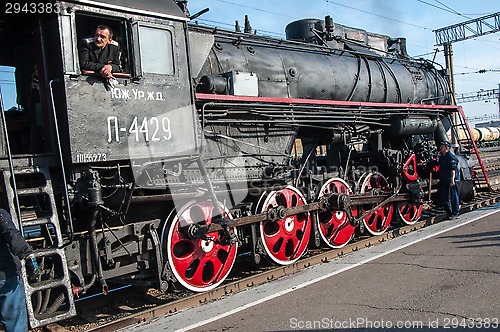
(91, 157)
(113, 122)
(144, 129)
(116, 93)
(154, 122)
(133, 129)
(166, 129)
(125, 94)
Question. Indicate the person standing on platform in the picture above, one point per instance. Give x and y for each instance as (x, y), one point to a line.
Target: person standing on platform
(449, 177)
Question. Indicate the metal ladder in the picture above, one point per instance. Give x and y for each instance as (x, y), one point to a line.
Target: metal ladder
(50, 298)
(479, 175)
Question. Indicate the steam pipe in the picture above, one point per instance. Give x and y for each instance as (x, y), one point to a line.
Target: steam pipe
(95, 250)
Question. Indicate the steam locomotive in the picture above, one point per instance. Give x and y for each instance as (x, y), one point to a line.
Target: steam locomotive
(211, 145)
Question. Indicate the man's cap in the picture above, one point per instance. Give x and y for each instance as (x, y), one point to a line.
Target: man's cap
(445, 143)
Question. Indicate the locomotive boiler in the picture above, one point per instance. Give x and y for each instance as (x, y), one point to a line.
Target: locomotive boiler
(210, 146)
(336, 63)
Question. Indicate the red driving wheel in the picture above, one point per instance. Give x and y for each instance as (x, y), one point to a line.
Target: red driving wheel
(198, 264)
(284, 240)
(379, 220)
(334, 226)
(409, 213)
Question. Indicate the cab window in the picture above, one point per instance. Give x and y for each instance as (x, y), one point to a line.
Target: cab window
(156, 50)
(85, 28)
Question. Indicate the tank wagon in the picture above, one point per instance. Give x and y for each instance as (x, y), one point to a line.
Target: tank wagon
(483, 136)
(211, 145)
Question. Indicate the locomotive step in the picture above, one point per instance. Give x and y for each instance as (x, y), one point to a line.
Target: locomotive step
(31, 191)
(29, 170)
(48, 252)
(38, 221)
(44, 284)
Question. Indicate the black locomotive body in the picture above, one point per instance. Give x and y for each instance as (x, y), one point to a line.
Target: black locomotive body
(210, 144)
(328, 67)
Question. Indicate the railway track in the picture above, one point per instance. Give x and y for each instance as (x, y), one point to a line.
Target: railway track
(128, 306)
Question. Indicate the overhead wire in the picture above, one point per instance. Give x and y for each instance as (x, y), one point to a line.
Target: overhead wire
(444, 5)
(271, 33)
(424, 54)
(480, 71)
(224, 25)
(461, 14)
(378, 15)
(447, 9)
(257, 9)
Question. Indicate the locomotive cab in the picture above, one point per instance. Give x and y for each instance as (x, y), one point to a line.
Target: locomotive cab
(149, 100)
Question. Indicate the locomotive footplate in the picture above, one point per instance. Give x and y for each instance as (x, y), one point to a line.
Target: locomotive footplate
(323, 205)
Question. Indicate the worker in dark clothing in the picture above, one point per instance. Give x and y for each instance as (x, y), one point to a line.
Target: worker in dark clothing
(449, 177)
(13, 248)
(100, 53)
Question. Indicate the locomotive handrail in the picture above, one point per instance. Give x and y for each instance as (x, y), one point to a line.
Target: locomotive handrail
(59, 152)
(295, 109)
(11, 166)
(299, 101)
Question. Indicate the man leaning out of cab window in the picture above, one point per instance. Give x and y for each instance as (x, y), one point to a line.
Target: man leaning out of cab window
(100, 53)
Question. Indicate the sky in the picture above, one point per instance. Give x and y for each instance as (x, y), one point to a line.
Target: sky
(411, 19)
(7, 87)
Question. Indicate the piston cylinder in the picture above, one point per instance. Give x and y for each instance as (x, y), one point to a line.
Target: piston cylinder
(412, 125)
(213, 84)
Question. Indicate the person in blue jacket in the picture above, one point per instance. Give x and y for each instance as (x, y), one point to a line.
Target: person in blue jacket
(13, 248)
(449, 177)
